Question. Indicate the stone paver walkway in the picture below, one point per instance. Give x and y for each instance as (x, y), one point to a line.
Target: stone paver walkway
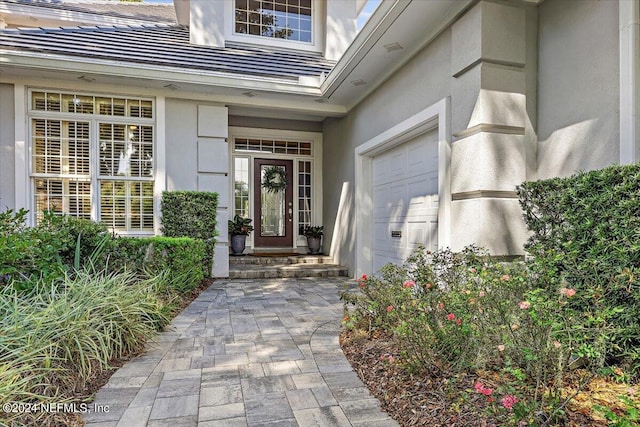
(245, 353)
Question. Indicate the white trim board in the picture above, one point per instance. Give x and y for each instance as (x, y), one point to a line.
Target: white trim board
(629, 81)
(436, 116)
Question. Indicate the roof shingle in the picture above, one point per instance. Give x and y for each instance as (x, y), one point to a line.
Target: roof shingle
(165, 46)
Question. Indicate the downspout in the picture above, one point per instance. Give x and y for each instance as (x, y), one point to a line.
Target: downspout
(629, 13)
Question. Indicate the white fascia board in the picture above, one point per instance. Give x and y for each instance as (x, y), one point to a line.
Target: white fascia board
(374, 29)
(380, 20)
(65, 16)
(151, 72)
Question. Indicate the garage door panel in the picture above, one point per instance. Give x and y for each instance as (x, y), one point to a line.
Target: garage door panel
(405, 199)
(381, 235)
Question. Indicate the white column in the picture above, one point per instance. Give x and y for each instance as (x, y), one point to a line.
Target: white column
(629, 81)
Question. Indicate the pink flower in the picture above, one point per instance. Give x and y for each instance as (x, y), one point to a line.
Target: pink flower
(557, 344)
(389, 308)
(524, 305)
(409, 284)
(508, 401)
(459, 322)
(428, 285)
(480, 388)
(440, 306)
(501, 347)
(481, 294)
(567, 292)
(390, 359)
(472, 270)
(451, 316)
(505, 277)
(362, 280)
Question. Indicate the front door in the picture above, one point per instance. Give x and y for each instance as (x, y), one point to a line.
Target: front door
(273, 196)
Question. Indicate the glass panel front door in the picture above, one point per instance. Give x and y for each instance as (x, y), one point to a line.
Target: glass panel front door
(273, 193)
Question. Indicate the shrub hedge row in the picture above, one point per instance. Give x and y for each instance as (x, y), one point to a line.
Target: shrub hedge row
(58, 245)
(586, 233)
(191, 214)
(178, 255)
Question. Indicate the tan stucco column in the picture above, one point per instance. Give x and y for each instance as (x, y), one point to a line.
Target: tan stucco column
(493, 147)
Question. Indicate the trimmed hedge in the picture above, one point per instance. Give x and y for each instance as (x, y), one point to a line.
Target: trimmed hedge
(191, 214)
(180, 256)
(586, 233)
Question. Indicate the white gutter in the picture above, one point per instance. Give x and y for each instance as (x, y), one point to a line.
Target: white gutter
(154, 72)
(384, 17)
(376, 26)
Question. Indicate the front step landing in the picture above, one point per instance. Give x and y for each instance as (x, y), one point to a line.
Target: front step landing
(260, 267)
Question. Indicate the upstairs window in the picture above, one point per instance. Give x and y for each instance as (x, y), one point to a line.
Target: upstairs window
(277, 19)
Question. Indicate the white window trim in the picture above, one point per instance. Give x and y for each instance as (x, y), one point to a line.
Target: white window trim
(316, 170)
(436, 116)
(317, 30)
(23, 148)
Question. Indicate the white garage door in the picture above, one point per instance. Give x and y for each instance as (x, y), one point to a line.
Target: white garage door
(405, 199)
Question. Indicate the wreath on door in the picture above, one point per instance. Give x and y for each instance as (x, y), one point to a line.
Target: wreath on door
(275, 179)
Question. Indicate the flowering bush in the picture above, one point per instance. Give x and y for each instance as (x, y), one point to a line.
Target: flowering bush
(459, 312)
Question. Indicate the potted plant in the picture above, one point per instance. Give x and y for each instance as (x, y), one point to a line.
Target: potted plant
(239, 229)
(314, 235)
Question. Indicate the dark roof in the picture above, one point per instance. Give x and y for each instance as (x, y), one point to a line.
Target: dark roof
(157, 13)
(164, 45)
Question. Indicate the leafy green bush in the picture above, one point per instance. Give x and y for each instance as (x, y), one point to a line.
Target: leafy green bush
(458, 312)
(180, 257)
(191, 214)
(57, 337)
(586, 236)
(27, 254)
(76, 238)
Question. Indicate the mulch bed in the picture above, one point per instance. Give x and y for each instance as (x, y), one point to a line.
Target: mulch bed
(424, 398)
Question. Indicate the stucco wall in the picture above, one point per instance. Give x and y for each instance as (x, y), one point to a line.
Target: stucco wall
(578, 120)
(7, 143)
(407, 92)
(181, 145)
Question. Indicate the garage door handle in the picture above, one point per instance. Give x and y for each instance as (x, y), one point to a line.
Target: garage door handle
(396, 233)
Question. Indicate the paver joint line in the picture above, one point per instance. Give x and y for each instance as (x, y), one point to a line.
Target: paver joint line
(246, 352)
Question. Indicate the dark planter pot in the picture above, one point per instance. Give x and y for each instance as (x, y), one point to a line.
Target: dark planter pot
(238, 243)
(313, 244)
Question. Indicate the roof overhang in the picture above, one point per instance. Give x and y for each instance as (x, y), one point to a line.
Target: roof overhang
(395, 33)
(283, 98)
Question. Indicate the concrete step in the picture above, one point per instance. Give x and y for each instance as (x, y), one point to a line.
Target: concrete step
(285, 270)
(279, 260)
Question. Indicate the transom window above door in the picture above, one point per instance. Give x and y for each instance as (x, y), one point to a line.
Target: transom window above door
(276, 19)
(252, 145)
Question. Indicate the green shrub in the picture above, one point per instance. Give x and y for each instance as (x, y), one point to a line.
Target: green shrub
(27, 254)
(191, 214)
(459, 312)
(76, 238)
(59, 336)
(180, 257)
(586, 236)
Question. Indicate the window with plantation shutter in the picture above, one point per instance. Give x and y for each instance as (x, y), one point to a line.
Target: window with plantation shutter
(91, 166)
